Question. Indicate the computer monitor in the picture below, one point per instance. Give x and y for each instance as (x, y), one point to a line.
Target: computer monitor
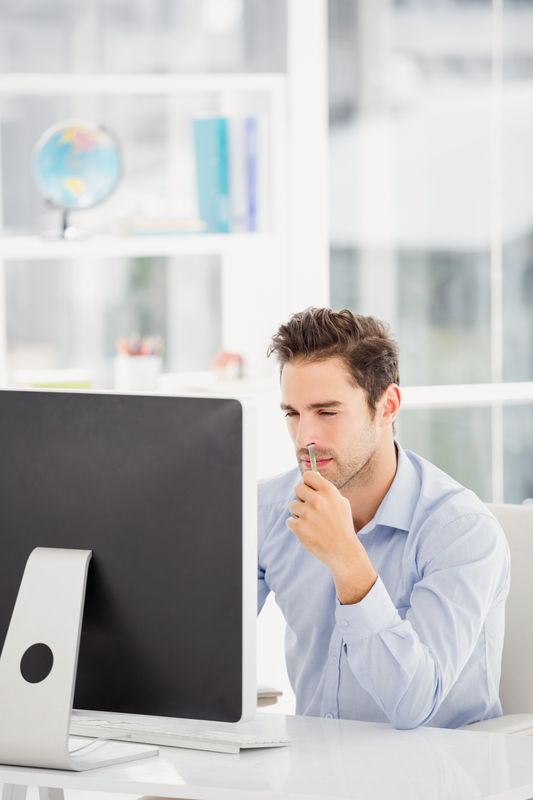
(162, 490)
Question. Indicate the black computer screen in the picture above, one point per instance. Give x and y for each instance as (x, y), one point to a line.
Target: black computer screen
(153, 486)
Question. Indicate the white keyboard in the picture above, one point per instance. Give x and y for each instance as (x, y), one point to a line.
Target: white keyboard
(157, 733)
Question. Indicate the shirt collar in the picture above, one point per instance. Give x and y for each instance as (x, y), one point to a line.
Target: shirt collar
(398, 506)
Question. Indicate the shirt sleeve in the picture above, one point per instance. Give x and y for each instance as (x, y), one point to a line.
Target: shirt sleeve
(263, 525)
(263, 589)
(409, 665)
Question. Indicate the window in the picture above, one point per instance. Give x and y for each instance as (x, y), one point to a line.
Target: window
(431, 119)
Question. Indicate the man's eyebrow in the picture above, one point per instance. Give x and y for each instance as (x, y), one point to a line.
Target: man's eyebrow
(325, 404)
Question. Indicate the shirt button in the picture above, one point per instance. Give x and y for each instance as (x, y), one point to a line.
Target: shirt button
(334, 659)
(329, 715)
(344, 623)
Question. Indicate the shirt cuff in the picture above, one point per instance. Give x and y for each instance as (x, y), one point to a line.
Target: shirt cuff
(369, 616)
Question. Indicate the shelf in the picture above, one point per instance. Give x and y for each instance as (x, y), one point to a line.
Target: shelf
(22, 248)
(413, 397)
(30, 83)
(461, 395)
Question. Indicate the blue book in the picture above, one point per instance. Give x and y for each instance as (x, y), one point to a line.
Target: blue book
(238, 178)
(212, 185)
(251, 172)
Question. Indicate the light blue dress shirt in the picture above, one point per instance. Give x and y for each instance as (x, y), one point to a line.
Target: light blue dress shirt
(424, 646)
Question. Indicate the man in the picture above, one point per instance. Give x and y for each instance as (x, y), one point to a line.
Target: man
(391, 576)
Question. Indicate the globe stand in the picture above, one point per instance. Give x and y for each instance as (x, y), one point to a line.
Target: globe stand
(64, 224)
(66, 231)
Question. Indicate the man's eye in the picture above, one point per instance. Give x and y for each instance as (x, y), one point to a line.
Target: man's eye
(328, 413)
(290, 413)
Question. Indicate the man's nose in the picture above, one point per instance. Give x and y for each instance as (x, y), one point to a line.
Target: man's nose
(306, 433)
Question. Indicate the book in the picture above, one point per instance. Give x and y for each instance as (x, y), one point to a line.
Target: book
(263, 174)
(251, 155)
(232, 158)
(249, 173)
(238, 182)
(212, 180)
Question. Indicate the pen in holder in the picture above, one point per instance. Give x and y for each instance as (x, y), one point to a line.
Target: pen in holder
(138, 364)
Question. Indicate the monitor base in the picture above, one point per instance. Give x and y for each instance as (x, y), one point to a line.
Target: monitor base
(38, 669)
(102, 753)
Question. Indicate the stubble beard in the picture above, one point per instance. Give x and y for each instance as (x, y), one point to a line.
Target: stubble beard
(360, 470)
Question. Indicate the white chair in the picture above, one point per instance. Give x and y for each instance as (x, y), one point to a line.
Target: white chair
(516, 685)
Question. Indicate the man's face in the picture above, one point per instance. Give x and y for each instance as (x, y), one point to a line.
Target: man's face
(323, 406)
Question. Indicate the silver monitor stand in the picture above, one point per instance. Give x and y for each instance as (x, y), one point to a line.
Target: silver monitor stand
(38, 670)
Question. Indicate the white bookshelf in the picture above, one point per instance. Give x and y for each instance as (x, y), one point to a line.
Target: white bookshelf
(251, 263)
(39, 248)
(84, 83)
(265, 276)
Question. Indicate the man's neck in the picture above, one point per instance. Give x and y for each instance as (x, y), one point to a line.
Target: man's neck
(367, 491)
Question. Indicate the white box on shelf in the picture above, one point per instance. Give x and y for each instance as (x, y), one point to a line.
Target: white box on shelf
(136, 373)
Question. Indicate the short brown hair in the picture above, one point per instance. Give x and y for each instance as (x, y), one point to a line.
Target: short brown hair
(363, 343)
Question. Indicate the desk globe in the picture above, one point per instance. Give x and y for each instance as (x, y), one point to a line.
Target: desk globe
(76, 165)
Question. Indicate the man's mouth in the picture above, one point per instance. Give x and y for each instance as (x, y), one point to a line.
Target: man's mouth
(320, 462)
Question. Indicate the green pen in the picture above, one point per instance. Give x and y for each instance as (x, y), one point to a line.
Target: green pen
(312, 456)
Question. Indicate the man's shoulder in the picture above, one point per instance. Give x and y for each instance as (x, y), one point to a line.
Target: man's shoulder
(278, 489)
(444, 500)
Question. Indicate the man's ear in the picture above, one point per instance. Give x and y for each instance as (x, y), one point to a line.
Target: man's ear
(390, 402)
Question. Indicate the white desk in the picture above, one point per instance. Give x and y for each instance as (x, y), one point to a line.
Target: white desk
(328, 759)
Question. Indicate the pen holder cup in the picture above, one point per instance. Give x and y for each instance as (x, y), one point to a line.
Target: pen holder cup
(136, 373)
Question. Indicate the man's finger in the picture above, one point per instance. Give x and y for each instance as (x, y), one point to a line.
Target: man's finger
(315, 480)
(297, 508)
(293, 525)
(304, 492)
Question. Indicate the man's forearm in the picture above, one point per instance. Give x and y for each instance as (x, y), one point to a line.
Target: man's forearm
(353, 579)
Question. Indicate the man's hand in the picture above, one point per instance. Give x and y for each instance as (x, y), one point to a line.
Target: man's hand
(322, 521)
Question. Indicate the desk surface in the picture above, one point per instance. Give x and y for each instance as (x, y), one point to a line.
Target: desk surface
(327, 759)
